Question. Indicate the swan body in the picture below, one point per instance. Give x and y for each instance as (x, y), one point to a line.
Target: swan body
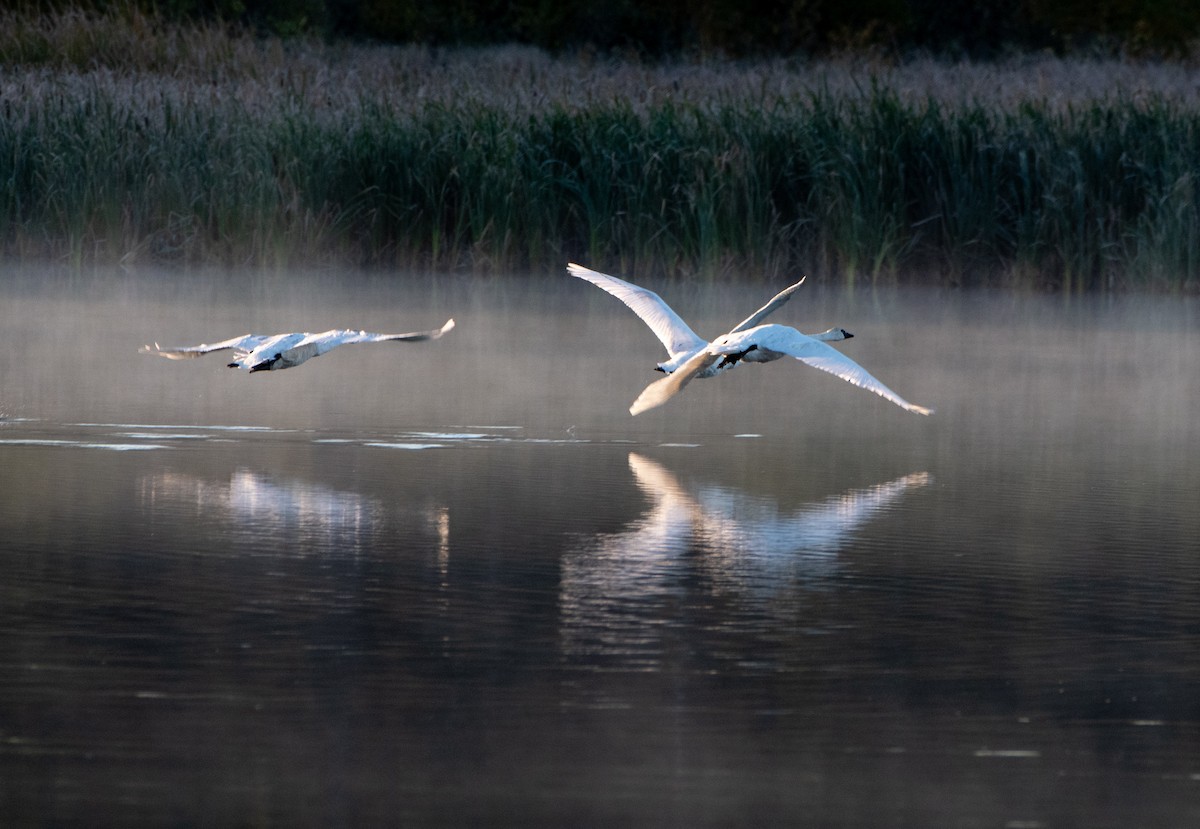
(274, 352)
(764, 344)
(751, 341)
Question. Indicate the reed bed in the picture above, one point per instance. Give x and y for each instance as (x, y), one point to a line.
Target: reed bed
(220, 148)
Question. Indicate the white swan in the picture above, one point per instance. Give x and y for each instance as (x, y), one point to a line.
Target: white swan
(274, 352)
(691, 356)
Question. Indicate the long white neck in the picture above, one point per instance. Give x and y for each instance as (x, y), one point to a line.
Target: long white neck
(832, 335)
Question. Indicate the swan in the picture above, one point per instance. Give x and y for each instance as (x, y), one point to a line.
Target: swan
(690, 356)
(274, 352)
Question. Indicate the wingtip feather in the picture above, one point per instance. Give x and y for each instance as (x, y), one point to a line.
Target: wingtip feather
(640, 405)
(657, 393)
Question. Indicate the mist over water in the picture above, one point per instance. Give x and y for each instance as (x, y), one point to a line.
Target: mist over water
(441, 582)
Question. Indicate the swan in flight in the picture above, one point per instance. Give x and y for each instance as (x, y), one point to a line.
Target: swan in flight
(691, 356)
(274, 352)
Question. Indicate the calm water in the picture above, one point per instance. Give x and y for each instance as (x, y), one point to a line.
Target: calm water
(455, 583)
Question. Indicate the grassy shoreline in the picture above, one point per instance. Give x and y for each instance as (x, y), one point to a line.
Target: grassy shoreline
(211, 147)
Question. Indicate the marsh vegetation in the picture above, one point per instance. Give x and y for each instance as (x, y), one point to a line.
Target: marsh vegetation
(126, 139)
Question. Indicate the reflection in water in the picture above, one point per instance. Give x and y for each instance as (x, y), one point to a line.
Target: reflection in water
(312, 516)
(440, 516)
(719, 541)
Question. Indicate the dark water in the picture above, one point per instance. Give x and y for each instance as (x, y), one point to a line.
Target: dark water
(455, 583)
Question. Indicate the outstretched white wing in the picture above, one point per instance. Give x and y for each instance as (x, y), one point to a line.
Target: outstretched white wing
(672, 332)
(242, 345)
(761, 314)
(332, 339)
(789, 341)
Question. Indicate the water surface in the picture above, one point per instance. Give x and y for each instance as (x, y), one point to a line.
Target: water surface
(452, 582)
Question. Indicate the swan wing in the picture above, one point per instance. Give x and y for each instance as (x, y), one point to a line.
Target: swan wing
(242, 345)
(662, 390)
(332, 339)
(328, 340)
(776, 301)
(671, 330)
(820, 355)
(417, 336)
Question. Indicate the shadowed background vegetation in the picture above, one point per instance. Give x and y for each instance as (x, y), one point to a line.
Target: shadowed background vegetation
(728, 27)
(128, 137)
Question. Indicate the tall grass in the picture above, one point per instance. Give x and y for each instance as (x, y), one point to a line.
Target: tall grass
(259, 152)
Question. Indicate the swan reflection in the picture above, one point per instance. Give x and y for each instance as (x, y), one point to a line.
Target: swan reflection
(309, 516)
(712, 541)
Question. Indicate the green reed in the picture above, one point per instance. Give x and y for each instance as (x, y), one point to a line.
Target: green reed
(869, 186)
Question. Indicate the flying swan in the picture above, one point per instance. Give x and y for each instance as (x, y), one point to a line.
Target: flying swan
(274, 352)
(690, 356)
